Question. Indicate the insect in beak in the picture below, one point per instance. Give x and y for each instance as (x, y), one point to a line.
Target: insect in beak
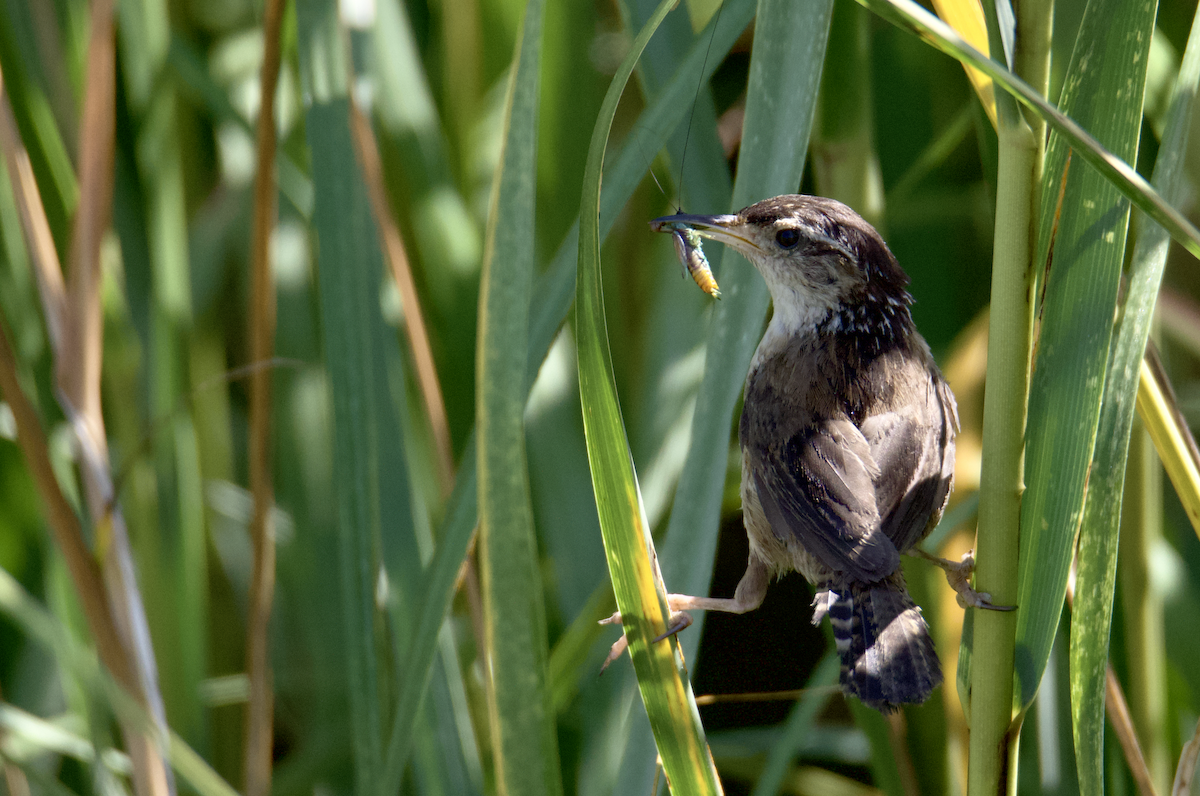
(689, 249)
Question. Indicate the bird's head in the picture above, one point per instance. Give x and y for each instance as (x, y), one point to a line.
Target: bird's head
(823, 263)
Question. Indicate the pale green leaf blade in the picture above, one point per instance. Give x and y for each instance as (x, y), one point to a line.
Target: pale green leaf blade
(1102, 92)
(524, 741)
(666, 692)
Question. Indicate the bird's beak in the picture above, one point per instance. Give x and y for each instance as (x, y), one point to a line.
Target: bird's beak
(724, 228)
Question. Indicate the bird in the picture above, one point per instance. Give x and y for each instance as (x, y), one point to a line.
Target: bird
(847, 440)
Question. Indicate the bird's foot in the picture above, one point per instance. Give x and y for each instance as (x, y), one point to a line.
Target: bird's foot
(750, 592)
(958, 575)
(678, 620)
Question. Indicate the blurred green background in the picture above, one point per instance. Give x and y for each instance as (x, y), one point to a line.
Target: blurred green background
(431, 77)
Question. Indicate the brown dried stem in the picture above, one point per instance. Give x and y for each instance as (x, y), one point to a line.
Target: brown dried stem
(150, 771)
(1118, 713)
(260, 709)
(42, 254)
(75, 322)
(78, 360)
(64, 525)
(414, 324)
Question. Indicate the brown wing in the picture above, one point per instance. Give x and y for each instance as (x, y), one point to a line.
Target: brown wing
(914, 449)
(819, 486)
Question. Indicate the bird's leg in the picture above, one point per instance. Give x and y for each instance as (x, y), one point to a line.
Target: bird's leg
(958, 574)
(751, 590)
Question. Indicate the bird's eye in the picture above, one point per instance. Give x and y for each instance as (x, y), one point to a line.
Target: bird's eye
(787, 238)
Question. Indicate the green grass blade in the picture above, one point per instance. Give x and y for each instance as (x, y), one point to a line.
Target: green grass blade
(1096, 577)
(525, 749)
(349, 268)
(553, 295)
(785, 70)
(910, 16)
(1080, 295)
(174, 585)
(668, 698)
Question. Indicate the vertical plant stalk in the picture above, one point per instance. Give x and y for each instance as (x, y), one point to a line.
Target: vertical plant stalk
(78, 361)
(1010, 335)
(64, 525)
(414, 322)
(260, 708)
(66, 530)
(993, 739)
(992, 747)
(1031, 60)
(77, 375)
(1118, 714)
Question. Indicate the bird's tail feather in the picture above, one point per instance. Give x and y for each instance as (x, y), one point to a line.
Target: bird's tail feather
(887, 654)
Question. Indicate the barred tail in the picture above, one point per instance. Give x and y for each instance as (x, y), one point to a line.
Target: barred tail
(887, 655)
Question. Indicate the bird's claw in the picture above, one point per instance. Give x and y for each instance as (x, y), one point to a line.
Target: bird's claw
(617, 648)
(675, 622)
(958, 575)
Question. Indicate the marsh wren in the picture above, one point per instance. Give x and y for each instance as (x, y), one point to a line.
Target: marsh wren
(847, 437)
